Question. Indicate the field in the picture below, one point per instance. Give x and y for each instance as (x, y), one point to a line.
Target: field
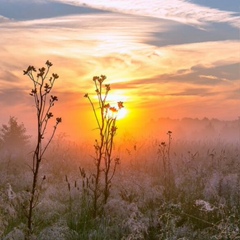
(162, 189)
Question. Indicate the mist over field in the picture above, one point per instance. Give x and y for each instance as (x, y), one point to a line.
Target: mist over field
(119, 120)
(197, 199)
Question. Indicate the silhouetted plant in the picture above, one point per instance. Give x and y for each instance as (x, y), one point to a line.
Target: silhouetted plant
(42, 87)
(168, 177)
(106, 122)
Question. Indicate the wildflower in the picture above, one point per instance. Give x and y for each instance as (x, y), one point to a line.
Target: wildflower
(103, 77)
(55, 76)
(58, 120)
(95, 78)
(120, 105)
(48, 63)
(107, 105)
(47, 87)
(86, 95)
(41, 72)
(99, 79)
(54, 98)
(108, 87)
(114, 129)
(49, 115)
(205, 206)
(10, 192)
(29, 69)
(33, 92)
(42, 69)
(113, 109)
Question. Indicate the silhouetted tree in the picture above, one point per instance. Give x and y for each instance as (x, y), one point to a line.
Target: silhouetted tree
(13, 135)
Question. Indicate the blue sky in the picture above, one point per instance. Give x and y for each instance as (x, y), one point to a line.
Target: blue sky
(229, 5)
(171, 58)
(30, 10)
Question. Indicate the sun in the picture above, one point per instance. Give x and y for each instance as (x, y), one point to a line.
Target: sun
(122, 113)
(114, 99)
(117, 113)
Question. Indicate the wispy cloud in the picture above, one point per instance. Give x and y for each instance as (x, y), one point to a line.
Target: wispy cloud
(4, 19)
(177, 10)
(214, 78)
(84, 47)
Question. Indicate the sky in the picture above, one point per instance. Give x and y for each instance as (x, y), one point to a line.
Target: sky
(163, 58)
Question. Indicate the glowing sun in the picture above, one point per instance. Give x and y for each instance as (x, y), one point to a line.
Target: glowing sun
(115, 100)
(122, 113)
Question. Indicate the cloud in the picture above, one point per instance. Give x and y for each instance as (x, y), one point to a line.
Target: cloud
(119, 46)
(82, 44)
(209, 77)
(177, 10)
(4, 19)
(7, 76)
(13, 96)
(234, 94)
(214, 78)
(192, 92)
(80, 49)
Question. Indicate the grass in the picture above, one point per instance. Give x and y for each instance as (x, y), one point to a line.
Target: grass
(205, 203)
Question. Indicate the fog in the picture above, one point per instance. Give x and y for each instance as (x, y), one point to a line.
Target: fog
(174, 179)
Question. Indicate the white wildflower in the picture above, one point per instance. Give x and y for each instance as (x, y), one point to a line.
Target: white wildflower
(205, 206)
(11, 194)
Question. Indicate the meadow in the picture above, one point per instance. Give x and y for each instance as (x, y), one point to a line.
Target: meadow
(149, 151)
(165, 187)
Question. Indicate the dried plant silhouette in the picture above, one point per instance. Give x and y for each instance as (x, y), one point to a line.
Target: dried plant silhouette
(105, 164)
(44, 102)
(167, 174)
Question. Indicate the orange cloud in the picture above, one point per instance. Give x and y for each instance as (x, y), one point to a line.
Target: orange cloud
(154, 81)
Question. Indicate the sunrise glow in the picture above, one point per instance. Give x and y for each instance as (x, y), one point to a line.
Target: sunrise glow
(119, 119)
(122, 113)
(160, 62)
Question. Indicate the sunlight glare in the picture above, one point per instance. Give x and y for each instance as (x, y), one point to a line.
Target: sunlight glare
(113, 100)
(122, 113)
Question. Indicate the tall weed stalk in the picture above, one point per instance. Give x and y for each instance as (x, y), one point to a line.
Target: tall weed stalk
(44, 102)
(168, 176)
(106, 118)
